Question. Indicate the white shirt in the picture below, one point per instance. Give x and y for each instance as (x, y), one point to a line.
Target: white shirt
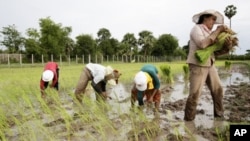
(97, 71)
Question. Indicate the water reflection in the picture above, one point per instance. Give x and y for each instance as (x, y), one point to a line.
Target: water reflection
(179, 91)
(237, 75)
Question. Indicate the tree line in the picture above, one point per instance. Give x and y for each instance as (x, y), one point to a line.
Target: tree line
(54, 39)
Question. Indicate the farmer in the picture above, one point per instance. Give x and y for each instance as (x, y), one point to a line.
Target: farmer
(50, 72)
(202, 36)
(146, 82)
(99, 76)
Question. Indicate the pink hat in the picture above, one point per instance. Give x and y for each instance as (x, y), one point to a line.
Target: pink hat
(141, 81)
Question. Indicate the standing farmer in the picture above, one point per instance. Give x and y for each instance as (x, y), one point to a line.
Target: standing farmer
(201, 37)
(99, 76)
(146, 82)
(50, 72)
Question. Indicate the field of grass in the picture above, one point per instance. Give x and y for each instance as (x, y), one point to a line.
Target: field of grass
(20, 99)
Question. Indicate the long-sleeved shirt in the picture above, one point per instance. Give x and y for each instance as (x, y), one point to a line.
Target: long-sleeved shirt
(199, 39)
(153, 72)
(53, 67)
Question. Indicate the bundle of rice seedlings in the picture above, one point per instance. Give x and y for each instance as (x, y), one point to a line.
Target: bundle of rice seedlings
(203, 54)
(228, 65)
(167, 74)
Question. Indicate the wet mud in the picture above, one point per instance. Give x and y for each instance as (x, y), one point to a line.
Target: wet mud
(121, 122)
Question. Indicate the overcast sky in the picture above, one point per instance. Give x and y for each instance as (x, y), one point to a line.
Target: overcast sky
(124, 16)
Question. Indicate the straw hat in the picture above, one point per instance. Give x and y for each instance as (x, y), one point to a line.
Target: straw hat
(141, 81)
(47, 75)
(218, 15)
(112, 75)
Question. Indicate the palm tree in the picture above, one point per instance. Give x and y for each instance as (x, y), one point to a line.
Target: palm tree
(230, 11)
(130, 43)
(146, 40)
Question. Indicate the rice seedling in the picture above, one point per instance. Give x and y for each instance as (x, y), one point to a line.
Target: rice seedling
(142, 127)
(186, 72)
(167, 74)
(27, 116)
(228, 65)
(223, 134)
(3, 125)
(203, 54)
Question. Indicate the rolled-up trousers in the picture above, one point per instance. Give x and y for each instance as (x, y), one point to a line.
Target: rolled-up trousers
(198, 77)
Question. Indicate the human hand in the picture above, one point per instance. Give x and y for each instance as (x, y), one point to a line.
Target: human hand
(104, 95)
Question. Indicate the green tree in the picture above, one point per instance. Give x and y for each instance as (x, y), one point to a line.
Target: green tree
(146, 41)
(54, 38)
(129, 44)
(70, 45)
(103, 42)
(32, 44)
(103, 34)
(180, 52)
(230, 11)
(12, 39)
(85, 45)
(115, 45)
(186, 48)
(166, 44)
(248, 52)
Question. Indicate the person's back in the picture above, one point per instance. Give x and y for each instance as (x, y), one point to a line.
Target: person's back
(153, 72)
(51, 66)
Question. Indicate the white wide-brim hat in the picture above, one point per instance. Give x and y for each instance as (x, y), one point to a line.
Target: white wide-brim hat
(140, 81)
(218, 15)
(109, 70)
(47, 75)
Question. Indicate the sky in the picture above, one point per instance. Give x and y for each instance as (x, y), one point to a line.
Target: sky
(124, 16)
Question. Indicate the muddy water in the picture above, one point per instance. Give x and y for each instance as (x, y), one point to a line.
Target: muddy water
(170, 118)
(237, 75)
(179, 92)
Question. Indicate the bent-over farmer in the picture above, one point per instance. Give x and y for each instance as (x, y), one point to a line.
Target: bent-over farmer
(50, 72)
(146, 82)
(99, 76)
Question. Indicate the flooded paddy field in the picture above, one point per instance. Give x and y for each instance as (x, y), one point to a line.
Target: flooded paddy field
(61, 118)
